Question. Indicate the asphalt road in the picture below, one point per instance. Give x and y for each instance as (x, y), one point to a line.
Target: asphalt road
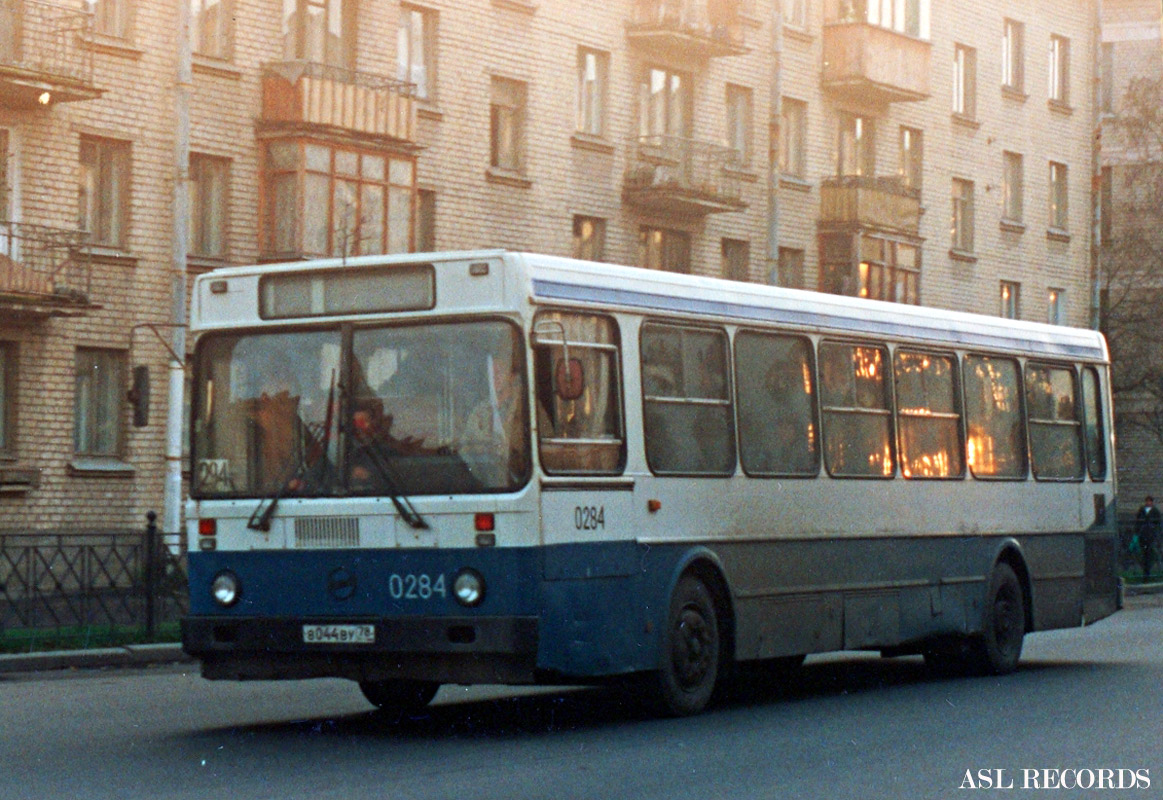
(851, 726)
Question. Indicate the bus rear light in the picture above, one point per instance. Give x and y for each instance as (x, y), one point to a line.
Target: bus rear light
(483, 522)
(207, 527)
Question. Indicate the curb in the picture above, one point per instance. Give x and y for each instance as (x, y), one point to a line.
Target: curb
(134, 655)
(1132, 589)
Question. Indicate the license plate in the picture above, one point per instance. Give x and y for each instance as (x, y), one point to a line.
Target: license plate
(339, 634)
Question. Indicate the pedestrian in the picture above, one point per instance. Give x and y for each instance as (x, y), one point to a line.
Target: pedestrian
(1148, 524)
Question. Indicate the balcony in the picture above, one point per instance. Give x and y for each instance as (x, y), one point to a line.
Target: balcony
(672, 175)
(871, 64)
(869, 203)
(305, 93)
(686, 29)
(43, 57)
(44, 272)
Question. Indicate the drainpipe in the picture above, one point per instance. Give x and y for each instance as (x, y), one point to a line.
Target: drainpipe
(775, 134)
(172, 518)
(1096, 175)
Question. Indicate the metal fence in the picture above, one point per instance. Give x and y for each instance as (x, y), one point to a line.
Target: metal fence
(85, 588)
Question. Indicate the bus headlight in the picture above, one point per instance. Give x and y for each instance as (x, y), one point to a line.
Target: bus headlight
(225, 589)
(469, 588)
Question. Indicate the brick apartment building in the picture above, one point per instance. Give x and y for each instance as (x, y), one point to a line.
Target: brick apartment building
(909, 151)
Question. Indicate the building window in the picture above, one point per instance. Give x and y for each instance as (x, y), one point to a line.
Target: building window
(1106, 206)
(589, 238)
(793, 129)
(964, 81)
(1060, 70)
(7, 397)
(5, 177)
(664, 104)
(791, 267)
(1011, 294)
(660, 248)
(112, 17)
(1106, 91)
(1056, 306)
(912, 158)
(104, 191)
(416, 50)
(1011, 187)
(100, 394)
(212, 28)
(1013, 55)
(904, 16)
(962, 228)
(320, 31)
(506, 123)
(425, 220)
(593, 70)
(736, 258)
(795, 13)
(857, 146)
(889, 270)
(739, 123)
(209, 187)
(1058, 195)
(321, 200)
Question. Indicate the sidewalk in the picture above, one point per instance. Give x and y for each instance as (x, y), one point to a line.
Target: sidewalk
(134, 655)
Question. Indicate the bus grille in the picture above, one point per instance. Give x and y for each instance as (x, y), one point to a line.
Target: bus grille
(319, 532)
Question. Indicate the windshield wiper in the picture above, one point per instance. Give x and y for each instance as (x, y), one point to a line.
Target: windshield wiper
(375, 451)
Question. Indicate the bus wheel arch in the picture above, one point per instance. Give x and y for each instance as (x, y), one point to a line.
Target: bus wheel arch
(1012, 556)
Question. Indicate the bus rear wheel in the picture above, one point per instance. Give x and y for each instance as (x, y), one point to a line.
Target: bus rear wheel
(691, 651)
(399, 695)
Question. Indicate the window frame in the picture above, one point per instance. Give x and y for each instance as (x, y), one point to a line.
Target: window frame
(294, 30)
(736, 258)
(221, 29)
(671, 105)
(209, 206)
(964, 81)
(408, 41)
(855, 145)
(508, 109)
(912, 157)
(1010, 296)
(1033, 423)
(958, 413)
(884, 412)
(107, 399)
(1058, 196)
(1013, 187)
(593, 82)
(9, 355)
(657, 246)
(105, 188)
(1100, 473)
(1013, 56)
(740, 110)
(114, 18)
(793, 136)
(964, 211)
(589, 245)
(1023, 450)
(1058, 79)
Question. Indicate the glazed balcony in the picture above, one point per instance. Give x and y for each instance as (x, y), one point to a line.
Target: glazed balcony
(687, 29)
(874, 203)
(301, 92)
(871, 64)
(673, 175)
(43, 271)
(44, 58)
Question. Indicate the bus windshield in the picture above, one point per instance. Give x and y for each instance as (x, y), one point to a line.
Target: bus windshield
(411, 410)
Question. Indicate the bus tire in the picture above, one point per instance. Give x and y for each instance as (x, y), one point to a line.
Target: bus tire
(998, 648)
(691, 653)
(399, 695)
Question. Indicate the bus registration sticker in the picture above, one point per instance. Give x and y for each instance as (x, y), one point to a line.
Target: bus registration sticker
(339, 634)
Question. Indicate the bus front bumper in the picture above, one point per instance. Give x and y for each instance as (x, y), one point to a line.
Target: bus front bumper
(443, 649)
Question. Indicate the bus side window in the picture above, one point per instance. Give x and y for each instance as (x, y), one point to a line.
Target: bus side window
(775, 387)
(1055, 430)
(687, 419)
(579, 427)
(857, 411)
(993, 411)
(1092, 418)
(928, 415)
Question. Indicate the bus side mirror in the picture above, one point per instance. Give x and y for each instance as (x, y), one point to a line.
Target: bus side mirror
(138, 396)
(569, 379)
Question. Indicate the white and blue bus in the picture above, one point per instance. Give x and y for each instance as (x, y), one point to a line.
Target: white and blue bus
(494, 467)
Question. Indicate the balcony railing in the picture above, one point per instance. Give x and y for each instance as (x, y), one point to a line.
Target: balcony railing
(671, 174)
(875, 64)
(687, 28)
(881, 203)
(319, 94)
(44, 271)
(43, 56)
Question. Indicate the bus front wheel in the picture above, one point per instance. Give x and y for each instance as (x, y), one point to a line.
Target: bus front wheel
(999, 647)
(399, 695)
(691, 650)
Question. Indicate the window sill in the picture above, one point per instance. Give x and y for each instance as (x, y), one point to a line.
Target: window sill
(104, 254)
(507, 177)
(100, 467)
(1057, 235)
(1014, 93)
(795, 183)
(18, 480)
(797, 34)
(112, 46)
(964, 256)
(745, 174)
(523, 6)
(218, 67)
(1059, 107)
(196, 265)
(588, 141)
(1012, 226)
(429, 111)
(966, 122)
